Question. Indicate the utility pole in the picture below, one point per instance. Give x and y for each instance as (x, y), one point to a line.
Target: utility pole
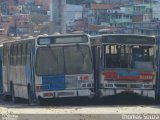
(151, 7)
(59, 16)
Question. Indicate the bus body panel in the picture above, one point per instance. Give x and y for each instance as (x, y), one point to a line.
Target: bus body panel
(6, 70)
(158, 70)
(18, 73)
(127, 81)
(65, 86)
(20, 70)
(50, 83)
(70, 84)
(1, 83)
(114, 75)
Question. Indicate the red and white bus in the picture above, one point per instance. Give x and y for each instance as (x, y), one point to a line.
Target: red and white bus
(126, 63)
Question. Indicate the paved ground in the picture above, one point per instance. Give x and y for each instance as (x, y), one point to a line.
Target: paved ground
(109, 109)
(114, 108)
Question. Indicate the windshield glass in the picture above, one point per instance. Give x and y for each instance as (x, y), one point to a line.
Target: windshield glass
(50, 61)
(63, 60)
(77, 60)
(133, 56)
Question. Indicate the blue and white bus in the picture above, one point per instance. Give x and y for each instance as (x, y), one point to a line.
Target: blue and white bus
(127, 63)
(48, 67)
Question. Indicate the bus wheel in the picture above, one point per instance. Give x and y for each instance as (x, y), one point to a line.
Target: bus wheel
(6, 98)
(30, 100)
(157, 99)
(40, 101)
(14, 100)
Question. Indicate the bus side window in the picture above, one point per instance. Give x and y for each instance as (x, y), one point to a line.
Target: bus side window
(105, 53)
(138, 54)
(148, 54)
(24, 54)
(4, 54)
(14, 54)
(11, 55)
(17, 57)
(20, 54)
(28, 53)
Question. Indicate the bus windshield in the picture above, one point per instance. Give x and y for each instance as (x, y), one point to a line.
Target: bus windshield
(129, 56)
(63, 60)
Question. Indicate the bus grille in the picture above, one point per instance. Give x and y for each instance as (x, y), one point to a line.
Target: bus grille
(61, 94)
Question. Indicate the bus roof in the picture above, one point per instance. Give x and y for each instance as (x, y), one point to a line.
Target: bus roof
(63, 35)
(43, 36)
(121, 35)
(124, 39)
(62, 39)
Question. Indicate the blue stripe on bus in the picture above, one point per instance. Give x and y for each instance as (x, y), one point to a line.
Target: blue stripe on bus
(53, 82)
(125, 73)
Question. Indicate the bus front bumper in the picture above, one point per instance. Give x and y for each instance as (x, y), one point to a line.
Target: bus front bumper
(143, 92)
(65, 93)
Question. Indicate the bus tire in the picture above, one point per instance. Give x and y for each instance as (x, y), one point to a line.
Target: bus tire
(6, 97)
(13, 98)
(30, 100)
(40, 101)
(157, 99)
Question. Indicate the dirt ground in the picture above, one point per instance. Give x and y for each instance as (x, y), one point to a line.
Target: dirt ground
(115, 108)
